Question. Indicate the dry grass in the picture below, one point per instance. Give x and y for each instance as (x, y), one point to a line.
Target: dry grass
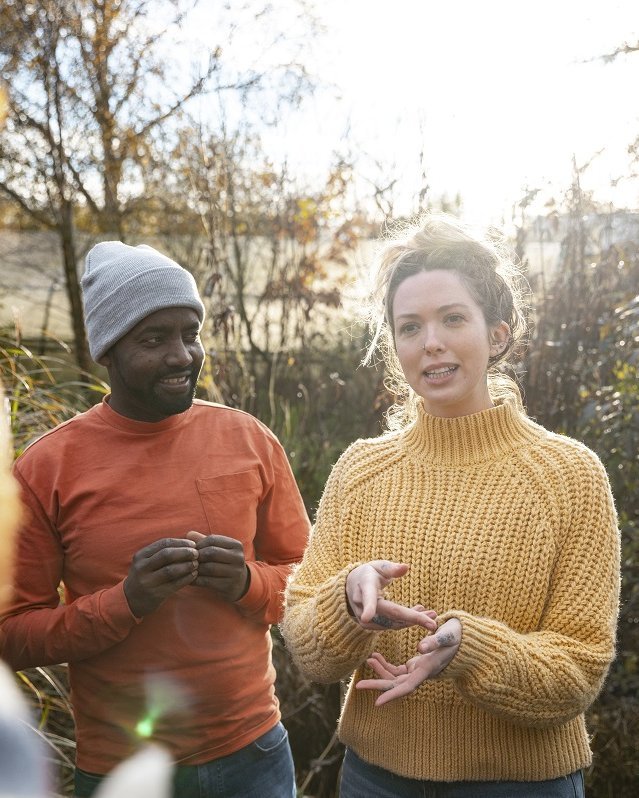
(309, 712)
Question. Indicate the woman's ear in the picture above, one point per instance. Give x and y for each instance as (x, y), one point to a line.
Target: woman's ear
(499, 338)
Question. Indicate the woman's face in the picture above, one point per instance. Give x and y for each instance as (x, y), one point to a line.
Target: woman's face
(443, 343)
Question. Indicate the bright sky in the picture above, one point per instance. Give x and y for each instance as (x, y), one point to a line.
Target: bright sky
(497, 86)
(495, 92)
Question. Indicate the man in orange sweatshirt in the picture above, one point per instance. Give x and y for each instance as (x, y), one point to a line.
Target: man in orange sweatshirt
(173, 524)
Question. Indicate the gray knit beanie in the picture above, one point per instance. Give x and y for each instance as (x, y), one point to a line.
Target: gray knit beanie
(122, 285)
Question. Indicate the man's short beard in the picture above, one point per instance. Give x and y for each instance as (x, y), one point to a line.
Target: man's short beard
(172, 406)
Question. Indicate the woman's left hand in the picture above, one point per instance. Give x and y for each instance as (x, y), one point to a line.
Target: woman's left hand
(396, 681)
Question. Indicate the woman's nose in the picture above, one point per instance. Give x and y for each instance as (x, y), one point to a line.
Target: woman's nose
(432, 343)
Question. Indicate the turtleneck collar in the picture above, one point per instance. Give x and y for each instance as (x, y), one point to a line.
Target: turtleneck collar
(113, 419)
(480, 437)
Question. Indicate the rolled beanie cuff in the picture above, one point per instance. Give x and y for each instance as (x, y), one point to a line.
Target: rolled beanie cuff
(155, 289)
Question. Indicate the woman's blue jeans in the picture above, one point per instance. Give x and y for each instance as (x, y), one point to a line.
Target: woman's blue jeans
(263, 769)
(363, 780)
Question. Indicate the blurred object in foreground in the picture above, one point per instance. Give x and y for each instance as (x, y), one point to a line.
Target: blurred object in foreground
(3, 105)
(9, 505)
(23, 772)
(149, 772)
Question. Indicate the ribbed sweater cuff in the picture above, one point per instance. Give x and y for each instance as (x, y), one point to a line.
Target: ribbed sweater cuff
(335, 622)
(481, 644)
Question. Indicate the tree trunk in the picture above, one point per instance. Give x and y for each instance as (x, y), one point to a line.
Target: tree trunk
(74, 295)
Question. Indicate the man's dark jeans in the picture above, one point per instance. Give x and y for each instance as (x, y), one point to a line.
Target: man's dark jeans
(263, 769)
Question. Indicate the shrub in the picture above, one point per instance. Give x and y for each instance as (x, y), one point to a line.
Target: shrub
(581, 380)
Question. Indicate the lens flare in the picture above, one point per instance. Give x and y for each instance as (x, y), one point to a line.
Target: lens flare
(145, 727)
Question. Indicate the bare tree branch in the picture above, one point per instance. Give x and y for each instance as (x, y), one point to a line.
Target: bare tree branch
(624, 49)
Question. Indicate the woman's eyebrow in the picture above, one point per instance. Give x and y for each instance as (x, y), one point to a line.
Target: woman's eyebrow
(440, 309)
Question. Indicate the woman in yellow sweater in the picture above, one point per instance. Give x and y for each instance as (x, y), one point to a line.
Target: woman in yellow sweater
(464, 565)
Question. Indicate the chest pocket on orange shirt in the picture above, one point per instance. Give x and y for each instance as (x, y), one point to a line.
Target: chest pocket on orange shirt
(230, 503)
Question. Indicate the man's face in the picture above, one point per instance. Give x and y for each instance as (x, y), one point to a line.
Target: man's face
(153, 369)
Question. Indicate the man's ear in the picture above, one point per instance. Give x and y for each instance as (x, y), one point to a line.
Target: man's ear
(105, 360)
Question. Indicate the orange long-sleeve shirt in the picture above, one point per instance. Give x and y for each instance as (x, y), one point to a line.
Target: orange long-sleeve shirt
(196, 674)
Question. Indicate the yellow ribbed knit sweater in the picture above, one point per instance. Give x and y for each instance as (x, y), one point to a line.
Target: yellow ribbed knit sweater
(509, 528)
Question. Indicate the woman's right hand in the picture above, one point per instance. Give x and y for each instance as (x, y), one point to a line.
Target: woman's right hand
(365, 595)
(397, 681)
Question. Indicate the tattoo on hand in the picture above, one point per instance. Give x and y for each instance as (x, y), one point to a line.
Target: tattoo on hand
(387, 623)
(445, 639)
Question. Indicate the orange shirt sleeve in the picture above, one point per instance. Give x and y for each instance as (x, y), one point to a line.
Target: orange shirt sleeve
(281, 537)
(37, 629)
